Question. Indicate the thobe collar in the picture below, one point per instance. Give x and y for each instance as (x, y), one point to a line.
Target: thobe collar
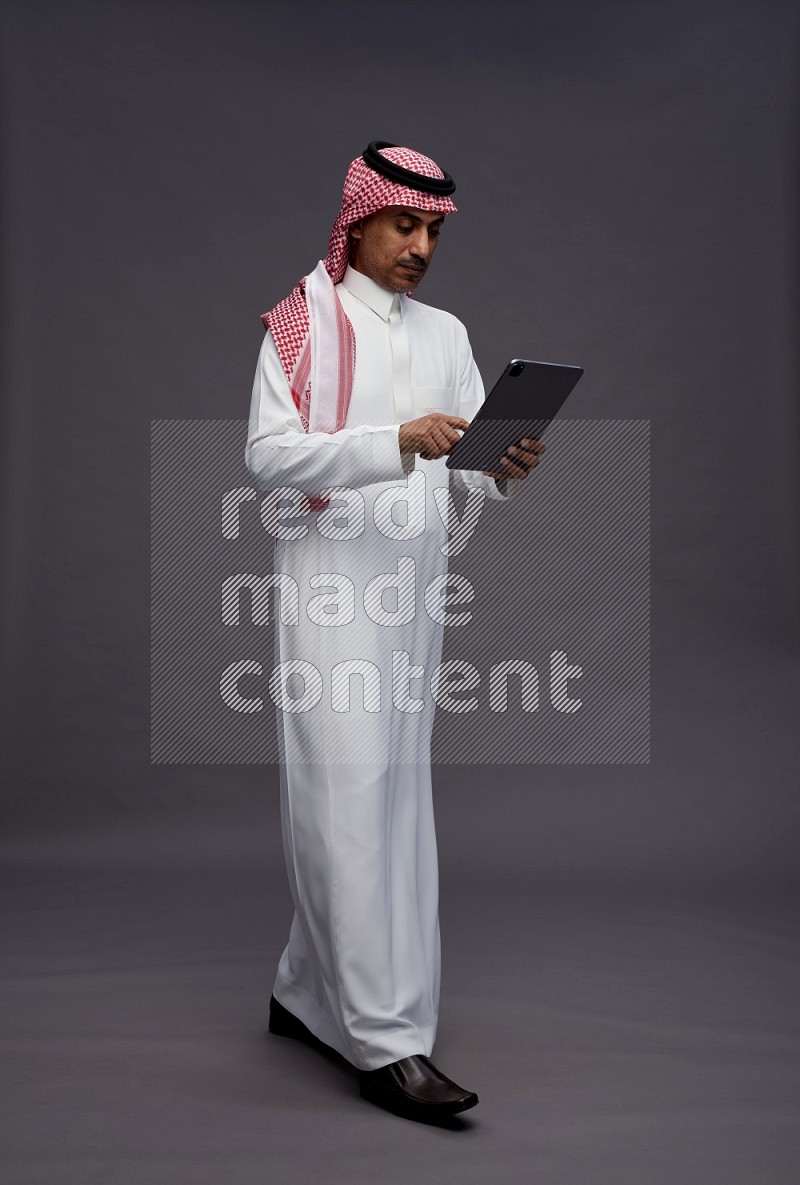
(380, 300)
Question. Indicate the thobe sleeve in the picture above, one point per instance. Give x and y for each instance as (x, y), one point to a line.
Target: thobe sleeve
(280, 453)
(471, 395)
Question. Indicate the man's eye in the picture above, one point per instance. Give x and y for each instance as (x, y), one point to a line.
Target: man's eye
(434, 231)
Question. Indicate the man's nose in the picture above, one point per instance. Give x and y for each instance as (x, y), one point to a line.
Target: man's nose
(421, 244)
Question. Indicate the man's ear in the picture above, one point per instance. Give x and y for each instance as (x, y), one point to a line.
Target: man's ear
(356, 230)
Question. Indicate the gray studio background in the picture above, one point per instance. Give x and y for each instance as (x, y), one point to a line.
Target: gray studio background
(620, 942)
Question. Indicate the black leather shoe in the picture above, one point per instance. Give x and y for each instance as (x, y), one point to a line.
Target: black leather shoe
(285, 1024)
(414, 1088)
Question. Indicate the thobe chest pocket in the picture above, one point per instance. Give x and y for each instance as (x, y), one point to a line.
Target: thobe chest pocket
(427, 399)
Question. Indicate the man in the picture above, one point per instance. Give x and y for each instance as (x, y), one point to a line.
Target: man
(359, 394)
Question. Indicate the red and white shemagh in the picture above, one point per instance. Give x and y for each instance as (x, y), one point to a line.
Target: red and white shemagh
(315, 339)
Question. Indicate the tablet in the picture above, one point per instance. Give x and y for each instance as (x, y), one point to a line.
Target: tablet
(523, 401)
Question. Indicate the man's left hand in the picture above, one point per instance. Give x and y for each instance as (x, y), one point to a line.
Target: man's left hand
(520, 459)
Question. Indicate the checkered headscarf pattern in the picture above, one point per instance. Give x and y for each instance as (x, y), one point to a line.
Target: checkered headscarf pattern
(365, 191)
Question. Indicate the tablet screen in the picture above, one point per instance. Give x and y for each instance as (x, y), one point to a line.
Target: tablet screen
(524, 400)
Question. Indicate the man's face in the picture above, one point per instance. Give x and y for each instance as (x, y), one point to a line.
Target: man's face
(395, 245)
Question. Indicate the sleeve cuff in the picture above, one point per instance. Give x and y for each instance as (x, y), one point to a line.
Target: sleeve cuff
(388, 460)
(507, 487)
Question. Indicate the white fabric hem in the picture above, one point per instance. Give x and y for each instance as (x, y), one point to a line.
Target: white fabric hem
(390, 1046)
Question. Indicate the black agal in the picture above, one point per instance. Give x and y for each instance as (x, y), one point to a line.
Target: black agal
(440, 186)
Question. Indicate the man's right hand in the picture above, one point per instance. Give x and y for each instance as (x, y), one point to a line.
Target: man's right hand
(431, 436)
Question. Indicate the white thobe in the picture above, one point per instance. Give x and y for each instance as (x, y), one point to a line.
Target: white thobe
(362, 965)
